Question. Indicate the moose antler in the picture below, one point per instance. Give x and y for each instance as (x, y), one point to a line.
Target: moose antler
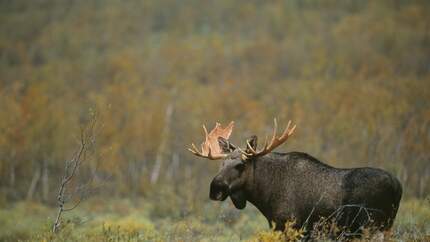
(274, 142)
(210, 147)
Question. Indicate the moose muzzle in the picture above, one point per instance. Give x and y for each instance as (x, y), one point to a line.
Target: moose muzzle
(219, 190)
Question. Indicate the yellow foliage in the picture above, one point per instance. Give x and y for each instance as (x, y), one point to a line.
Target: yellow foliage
(289, 234)
(130, 224)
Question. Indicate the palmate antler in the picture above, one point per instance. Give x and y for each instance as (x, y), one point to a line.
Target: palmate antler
(274, 142)
(210, 147)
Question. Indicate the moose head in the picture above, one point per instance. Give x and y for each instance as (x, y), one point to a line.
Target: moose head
(236, 168)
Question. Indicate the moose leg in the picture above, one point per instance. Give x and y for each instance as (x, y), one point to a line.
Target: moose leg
(280, 226)
(276, 225)
(270, 222)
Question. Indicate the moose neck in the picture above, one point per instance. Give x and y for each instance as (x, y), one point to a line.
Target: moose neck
(260, 183)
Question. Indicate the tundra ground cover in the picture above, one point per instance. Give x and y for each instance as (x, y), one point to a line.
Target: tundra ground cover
(123, 220)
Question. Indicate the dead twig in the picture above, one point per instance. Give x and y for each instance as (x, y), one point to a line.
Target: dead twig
(86, 139)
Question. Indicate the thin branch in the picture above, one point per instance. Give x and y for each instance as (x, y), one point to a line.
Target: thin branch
(86, 137)
(312, 211)
(73, 207)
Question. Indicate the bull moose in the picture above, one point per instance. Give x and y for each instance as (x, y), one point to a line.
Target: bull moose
(296, 186)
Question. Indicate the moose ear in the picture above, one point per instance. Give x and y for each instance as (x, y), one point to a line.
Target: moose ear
(252, 141)
(225, 145)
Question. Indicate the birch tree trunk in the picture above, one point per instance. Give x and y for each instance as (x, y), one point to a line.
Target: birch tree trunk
(45, 181)
(33, 184)
(162, 148)
(174, 165)
(12, 174)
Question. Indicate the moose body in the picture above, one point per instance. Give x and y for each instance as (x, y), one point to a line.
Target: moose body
(297, 187)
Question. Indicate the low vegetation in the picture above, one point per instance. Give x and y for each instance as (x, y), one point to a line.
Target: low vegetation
(123, 220)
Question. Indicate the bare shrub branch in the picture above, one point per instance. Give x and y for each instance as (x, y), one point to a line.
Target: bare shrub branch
(87, 138)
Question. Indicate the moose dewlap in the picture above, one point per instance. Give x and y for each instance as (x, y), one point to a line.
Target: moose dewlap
(296, 186)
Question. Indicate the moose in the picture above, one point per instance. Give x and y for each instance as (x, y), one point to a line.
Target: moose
(297, 187)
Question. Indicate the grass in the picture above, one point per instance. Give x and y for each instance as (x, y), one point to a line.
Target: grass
(123, 220)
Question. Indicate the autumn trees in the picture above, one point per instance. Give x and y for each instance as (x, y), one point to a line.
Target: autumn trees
(360, 69)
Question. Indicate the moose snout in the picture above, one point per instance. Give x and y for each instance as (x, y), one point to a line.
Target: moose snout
(219, 190)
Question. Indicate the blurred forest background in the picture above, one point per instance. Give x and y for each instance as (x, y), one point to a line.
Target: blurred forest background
(353, 75)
